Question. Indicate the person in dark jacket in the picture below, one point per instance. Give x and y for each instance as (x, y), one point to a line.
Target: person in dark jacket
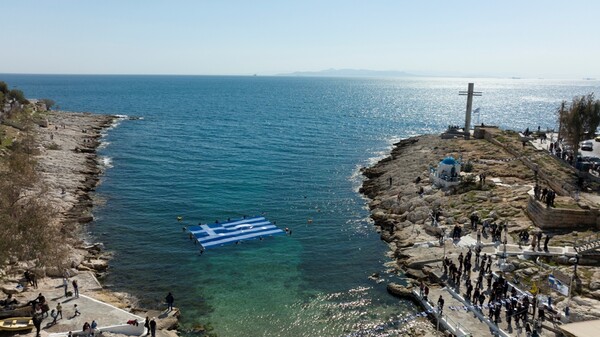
(170, 299)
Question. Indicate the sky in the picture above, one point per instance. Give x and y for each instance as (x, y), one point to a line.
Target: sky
(524, 38)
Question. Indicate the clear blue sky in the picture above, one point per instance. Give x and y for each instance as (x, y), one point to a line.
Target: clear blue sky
(525, 38)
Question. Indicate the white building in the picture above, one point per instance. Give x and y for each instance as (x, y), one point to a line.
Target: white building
(447, 173)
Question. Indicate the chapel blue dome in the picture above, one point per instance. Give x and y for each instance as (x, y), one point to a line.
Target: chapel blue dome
(449, 161)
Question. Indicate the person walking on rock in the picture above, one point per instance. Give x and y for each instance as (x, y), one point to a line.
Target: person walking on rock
(147, 325)
(153, 327)
(170, 299)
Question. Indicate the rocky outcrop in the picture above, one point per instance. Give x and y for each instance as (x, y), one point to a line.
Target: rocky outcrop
(400, 291)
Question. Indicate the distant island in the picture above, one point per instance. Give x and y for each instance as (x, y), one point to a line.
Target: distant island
(350, 73)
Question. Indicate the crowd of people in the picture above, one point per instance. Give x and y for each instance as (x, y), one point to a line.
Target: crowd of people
(490, 294)
(545, 195)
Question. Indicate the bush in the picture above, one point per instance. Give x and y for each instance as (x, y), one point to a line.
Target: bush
(48, 102)
(468, 167)
(18, 95)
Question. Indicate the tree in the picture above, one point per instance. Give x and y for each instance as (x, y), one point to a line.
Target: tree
(3, 87)
(27, 231)
(580, 120)
(48, 102)
(18, 95)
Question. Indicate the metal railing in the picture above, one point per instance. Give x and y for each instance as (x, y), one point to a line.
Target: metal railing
(448, 323)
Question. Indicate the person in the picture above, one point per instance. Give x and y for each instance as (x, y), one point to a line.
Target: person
(426, 292)
(76, 313)
(34, 282)
(54, 316)
(37, 322)
(41, 299)
(93, 327)
(65, 285)
(27, 275)
(147, 325)
(45, 308)
(440, 303)
(170, 299)
(546, 242)
(153, 327)
(86, 328)
(75, 289)
(59, 310)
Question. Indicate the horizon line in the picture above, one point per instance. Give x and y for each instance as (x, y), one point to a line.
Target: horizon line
(410, 75)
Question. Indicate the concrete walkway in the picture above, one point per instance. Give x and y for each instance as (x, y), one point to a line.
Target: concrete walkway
(495, 248)
(107, 316)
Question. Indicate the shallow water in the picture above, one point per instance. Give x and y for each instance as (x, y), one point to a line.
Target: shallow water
(212, 148)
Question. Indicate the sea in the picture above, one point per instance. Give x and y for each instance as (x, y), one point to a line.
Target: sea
(208, 148)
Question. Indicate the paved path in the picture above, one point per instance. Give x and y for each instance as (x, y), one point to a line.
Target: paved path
(106, 315)
(465, 323)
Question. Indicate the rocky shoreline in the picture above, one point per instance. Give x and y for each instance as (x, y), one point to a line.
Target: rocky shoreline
(70, 170)
(402, 199)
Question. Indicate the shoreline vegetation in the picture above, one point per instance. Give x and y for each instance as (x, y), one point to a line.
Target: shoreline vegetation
(404, 203)
(50, 169)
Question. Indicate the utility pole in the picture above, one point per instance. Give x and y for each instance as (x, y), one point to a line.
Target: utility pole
(469, 93)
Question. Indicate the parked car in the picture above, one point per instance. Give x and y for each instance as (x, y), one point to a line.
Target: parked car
(587, 146)
(597, 139)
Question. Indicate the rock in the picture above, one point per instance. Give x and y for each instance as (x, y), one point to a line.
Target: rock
(387, 236)
(507, 267)
(415, 273)
(95, 264)
(528, 271)
(419, 214)
(595, 294)
(85, 219)
(594, 285)
(399, 290)
(54, 272)
(10, 289)
(82, 267)
(388, 202)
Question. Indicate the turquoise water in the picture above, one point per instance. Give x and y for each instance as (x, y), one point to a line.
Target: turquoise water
(212, 148)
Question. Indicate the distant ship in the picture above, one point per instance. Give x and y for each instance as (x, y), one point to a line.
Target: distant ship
(589, 79)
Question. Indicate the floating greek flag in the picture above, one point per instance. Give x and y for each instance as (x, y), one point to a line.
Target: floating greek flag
(218, 234)
(476, 111)
(557, 285)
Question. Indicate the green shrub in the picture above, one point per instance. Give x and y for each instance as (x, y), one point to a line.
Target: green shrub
(468, 167)
(19, 96)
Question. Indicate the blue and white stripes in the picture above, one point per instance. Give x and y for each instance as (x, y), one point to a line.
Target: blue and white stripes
(217, 234)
